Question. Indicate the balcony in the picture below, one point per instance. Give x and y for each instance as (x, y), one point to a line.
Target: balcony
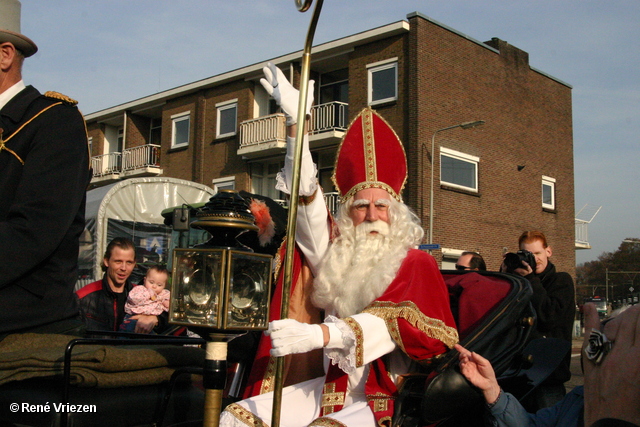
(582, 234)
(263, 136)
(132, 162)
(583, 218)
(328, 124)
(266, 136)
(106, 168)
(143, 160)
(332, 200)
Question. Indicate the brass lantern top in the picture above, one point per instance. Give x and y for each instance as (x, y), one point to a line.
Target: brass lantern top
(225, 216)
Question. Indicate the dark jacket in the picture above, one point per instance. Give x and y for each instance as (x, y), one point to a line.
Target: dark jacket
(103, 310)
(554, 301)
(42, 206)
(100, 307)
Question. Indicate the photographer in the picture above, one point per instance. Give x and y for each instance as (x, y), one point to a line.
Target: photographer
(553, 300)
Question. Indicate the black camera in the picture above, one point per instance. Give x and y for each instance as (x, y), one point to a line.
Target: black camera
(512, 260)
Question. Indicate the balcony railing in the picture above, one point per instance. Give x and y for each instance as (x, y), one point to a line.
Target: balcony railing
(266, 129)
(267, 135)
(332, 200)
(106, 164)
(582, 234)
(329, 117)
(141, 157)
(143, 160)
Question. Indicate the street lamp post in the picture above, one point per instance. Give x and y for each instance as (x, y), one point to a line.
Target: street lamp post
(465, 125)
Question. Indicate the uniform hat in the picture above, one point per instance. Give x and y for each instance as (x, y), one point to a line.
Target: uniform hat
(10, 28)
(370, 156)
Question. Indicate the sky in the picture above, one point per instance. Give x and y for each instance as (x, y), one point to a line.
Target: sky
(108, 52)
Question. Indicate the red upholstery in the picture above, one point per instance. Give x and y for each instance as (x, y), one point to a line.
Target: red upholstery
(472, 297)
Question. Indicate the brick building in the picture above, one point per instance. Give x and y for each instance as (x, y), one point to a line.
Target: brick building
(490, 182)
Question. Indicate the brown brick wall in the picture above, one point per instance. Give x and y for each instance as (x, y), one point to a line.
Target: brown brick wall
(137, 130)
(96, 132)
(444, 79)
(220, 154)
(178, 162)
(528, 122)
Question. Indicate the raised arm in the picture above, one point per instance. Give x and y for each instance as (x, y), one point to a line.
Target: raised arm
(312, 222)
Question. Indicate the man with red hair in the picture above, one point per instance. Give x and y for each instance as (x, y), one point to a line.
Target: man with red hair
(554, 302)
(386, 304)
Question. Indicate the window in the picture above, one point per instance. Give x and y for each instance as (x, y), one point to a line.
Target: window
(90, 142)
(263, 178)
(227, 118)
(548, 192)
(458, 169)
(180, 124)
(334, 86)
(383, 81)
(120, 139)
(155, 131)
(325, 161)
(226, 183)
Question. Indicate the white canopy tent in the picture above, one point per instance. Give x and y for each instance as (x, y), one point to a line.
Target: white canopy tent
(132, 208)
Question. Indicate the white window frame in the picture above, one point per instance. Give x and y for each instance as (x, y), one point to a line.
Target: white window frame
(381, 66)
(226, 183)
(549, 182)
(462, 157)
(222, 106)
(176, 118)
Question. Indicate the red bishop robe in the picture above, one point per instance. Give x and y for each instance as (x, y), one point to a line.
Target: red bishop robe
(415, 308)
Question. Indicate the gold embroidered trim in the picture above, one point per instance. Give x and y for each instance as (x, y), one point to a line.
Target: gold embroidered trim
(384, 421)
(268, 383)
(307, 200)
(380, 401)
(2, 142)
(331, 398)
(245, 416)
(408, 310)
(60, 97)
(7, 149)
(277, 260)
(369, 146)
(357, 331)
(326, 422)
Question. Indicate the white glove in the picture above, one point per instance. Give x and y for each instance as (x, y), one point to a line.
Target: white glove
(277, 85)
(288, 336)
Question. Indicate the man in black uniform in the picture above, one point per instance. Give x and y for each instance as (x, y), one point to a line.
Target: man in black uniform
(44, 173)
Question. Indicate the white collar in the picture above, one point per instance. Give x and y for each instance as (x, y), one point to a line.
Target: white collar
(8, 94)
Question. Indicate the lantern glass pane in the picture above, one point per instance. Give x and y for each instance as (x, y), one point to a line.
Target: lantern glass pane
(196, 287)
(249, 289)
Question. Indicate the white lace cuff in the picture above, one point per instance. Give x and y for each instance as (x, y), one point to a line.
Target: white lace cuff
(345, 356)
(308, 184)
(308, 170)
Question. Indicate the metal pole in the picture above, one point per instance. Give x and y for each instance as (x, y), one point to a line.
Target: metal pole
(465, 125)
(433, 164)
(606, 284)
(214, 378)
(293, 201)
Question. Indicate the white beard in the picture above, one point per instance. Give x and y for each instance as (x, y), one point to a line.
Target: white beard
(357, 269)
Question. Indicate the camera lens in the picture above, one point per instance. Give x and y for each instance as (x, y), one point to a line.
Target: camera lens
(512, 261)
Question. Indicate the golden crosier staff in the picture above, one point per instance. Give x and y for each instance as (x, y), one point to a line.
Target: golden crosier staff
(303, 6)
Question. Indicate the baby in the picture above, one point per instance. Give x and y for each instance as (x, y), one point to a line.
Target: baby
(150, 298)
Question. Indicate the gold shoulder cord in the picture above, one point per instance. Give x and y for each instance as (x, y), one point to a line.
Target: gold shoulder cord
(53, 95)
